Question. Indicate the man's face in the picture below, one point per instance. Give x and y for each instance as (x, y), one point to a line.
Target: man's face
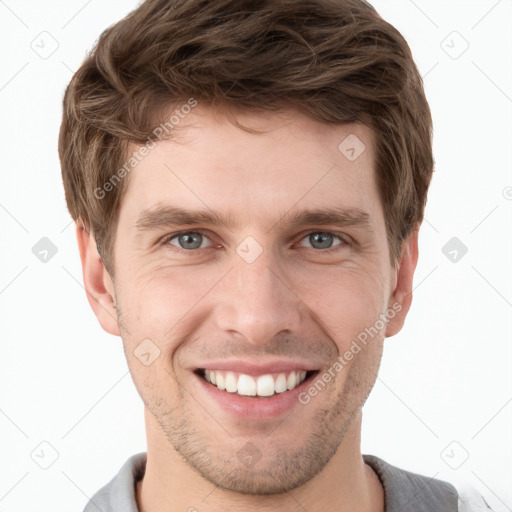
(270, 293)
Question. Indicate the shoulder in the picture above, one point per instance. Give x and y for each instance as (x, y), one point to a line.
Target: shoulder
(406, 491)
(410, 492)
(119, 493)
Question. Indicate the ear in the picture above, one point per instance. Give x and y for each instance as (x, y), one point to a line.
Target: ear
(97, 281)
(401, 294)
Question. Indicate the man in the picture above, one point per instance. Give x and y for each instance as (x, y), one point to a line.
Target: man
(248, 180)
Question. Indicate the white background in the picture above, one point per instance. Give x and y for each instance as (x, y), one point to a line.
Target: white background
(445, 387)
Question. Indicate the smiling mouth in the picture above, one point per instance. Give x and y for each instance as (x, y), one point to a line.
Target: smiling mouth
(255, 386)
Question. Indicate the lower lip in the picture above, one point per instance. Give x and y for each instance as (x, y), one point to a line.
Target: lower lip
(254, 408)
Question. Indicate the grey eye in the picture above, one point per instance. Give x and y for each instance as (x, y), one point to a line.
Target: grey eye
(189, 240)
(321, 240)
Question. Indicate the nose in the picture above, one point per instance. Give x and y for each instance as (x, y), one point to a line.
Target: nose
(257, 301)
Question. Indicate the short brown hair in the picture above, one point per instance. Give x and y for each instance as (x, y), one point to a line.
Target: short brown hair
(337, 61)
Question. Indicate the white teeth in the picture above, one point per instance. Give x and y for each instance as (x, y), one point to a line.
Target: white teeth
(281, 383)
(231, 383)
(219, 380)
(265, 385)
(291, 381)
(246, 385)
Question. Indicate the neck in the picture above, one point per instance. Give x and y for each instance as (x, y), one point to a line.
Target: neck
(345, 483)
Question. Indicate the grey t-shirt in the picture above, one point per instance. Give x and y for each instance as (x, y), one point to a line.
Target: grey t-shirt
(404, 491)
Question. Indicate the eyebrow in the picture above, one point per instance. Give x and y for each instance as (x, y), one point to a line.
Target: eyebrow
(168, 216)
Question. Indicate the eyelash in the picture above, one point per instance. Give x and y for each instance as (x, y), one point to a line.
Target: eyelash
(341, 237)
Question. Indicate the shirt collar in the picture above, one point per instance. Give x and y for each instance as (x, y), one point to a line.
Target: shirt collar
(404, 491)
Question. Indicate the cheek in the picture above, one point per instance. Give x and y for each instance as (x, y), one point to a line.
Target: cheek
(162, 302)
(346, 303)
(156, 299)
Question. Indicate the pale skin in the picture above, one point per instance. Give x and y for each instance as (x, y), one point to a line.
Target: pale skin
(294, 303)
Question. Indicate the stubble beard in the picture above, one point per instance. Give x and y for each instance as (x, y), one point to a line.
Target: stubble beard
(278, 470)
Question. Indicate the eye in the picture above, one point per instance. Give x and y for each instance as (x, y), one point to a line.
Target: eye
(187, 240)
(323, 240)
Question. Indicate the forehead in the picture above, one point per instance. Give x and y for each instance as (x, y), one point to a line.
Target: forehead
(211, 163)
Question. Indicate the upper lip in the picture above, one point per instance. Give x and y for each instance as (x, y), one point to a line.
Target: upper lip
(254, 367)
